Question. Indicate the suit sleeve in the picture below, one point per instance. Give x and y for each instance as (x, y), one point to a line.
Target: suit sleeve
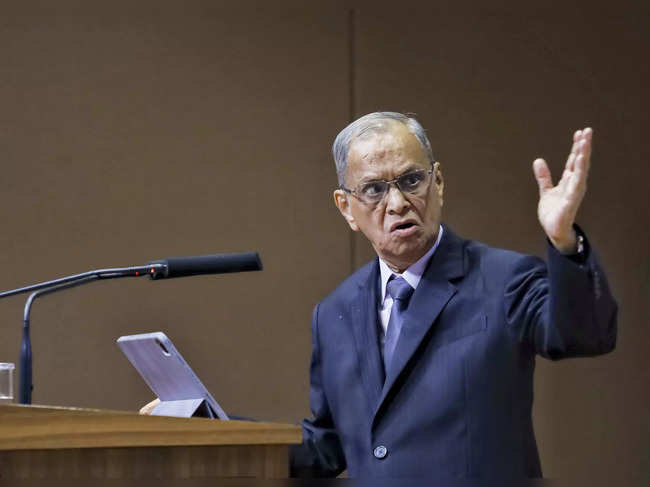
(562, 309)
(320, 454)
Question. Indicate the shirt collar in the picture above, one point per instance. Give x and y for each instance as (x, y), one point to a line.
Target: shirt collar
(413, 274)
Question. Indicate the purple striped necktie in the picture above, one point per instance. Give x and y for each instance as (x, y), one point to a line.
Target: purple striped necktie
(401, 292)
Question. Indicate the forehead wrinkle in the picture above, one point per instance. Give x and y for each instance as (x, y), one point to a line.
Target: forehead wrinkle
(381, 150)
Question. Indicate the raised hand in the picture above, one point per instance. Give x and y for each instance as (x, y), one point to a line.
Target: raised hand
(559, 204)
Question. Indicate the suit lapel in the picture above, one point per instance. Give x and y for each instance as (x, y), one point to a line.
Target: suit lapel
(366, 334)
(429, 299)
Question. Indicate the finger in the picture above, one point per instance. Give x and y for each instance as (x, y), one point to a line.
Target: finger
(578, 181)
(584, 151)
(566, 177)
(581, 167)
(577, 137)
(588, 134)
(569, 162)
(148, 408)
(542, 175)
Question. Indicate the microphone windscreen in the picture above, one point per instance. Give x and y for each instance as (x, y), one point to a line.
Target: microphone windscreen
(210, 264)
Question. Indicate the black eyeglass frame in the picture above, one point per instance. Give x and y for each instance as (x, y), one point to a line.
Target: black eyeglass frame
(354, 192)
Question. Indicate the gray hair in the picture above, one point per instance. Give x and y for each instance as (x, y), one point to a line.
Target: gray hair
(376, 122)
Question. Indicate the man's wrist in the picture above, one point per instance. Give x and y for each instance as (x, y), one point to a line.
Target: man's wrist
(581, 252)
(567, 245)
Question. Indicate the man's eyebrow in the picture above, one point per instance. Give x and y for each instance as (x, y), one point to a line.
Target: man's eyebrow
(373, 177)
(412, 166)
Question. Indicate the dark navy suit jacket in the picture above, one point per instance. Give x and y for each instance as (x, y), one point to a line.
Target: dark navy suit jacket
(457, 398)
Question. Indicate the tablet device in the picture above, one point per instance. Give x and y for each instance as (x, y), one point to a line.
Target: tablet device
(171, 379)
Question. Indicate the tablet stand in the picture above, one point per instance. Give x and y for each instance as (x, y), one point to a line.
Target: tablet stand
(186, 408)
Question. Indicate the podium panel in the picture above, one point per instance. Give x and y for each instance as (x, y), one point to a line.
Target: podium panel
(40, 443)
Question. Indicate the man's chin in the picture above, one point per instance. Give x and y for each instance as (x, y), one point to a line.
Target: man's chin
(404, 243)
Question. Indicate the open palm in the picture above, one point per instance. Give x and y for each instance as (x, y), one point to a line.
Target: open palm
(559, 204)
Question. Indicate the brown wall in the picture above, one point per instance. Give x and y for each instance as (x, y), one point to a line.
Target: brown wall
(134, 133)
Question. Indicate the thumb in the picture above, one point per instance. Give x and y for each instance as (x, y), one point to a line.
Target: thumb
(542, 175)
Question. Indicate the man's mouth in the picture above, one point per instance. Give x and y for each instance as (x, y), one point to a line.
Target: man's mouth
(405, 227)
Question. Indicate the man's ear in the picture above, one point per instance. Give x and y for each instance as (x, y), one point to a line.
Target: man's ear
(343, 204)
(439, 180)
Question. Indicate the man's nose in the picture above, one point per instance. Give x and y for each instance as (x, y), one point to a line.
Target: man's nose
(396, 202)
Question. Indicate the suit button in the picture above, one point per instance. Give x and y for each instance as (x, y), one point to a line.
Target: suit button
(380, 452)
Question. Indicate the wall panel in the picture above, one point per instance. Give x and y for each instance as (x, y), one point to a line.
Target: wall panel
(496, 87)
(132, 133)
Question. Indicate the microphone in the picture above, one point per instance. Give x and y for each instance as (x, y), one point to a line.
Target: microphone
(204, 264)
(157, 269)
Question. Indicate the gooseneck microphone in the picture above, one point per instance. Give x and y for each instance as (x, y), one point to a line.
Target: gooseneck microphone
(161, 269)
(157, 269)
(205, 264)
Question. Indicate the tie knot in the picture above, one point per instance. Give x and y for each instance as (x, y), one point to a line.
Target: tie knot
(399, 289)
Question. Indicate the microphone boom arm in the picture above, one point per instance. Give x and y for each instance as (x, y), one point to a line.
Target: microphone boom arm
(137, 271)
(26, 359)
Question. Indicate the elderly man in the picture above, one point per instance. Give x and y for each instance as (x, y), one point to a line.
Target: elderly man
(423, 359)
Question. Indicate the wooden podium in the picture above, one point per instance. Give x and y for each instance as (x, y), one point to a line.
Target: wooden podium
(40, 442)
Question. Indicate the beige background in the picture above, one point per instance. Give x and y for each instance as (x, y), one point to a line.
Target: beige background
(134, 133)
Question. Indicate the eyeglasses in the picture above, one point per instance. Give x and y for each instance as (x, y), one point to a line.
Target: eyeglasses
(372, 192)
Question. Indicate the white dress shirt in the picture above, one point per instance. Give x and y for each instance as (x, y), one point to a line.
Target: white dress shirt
(412, 275)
